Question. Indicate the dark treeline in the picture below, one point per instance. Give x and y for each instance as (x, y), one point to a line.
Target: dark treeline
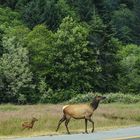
(51, 50)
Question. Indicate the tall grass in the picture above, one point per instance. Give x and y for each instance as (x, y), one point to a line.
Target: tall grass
(106, 116)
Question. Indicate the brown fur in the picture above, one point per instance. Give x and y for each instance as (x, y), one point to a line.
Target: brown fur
(29, 125)
(80, 111)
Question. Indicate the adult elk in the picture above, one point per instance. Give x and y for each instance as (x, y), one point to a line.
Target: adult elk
(80, 111)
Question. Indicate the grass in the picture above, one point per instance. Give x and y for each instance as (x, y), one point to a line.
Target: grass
(107, 116)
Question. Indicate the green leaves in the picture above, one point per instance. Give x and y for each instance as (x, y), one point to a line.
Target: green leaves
(38, 41)
(70, 62)
(67, 45)
(49, 12)
(9, 18)
(122, 20)
(14, 66)
(129, 78)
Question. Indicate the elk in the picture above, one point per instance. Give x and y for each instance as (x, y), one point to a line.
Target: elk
(80, 111)
(29, 125)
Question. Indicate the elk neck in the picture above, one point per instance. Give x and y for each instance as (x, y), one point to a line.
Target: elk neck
(94, 104)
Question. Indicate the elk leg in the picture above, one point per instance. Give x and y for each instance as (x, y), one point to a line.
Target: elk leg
(66, 124)
(59, 123)
(86, 126)
(92, 124)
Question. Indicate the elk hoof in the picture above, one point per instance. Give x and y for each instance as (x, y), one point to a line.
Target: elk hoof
(69, 133)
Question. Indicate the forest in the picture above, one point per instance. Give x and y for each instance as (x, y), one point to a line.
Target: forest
(52, 50)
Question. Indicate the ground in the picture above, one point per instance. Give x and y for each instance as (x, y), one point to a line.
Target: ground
(131, 133)
(106, 117)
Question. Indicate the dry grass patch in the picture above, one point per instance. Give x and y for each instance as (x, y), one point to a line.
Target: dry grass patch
(106, 116)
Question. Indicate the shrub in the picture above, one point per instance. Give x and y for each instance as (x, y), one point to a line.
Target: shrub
(22, 99)
(122, 98)
(82, 98)
(57, 96)
(111, 98)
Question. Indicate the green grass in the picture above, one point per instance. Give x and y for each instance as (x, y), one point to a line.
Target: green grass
(107, 116)
(8, 107)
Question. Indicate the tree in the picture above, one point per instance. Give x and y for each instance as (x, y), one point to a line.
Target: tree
(129, 77)
(16, 77)
(123, 20)
(136, 25)
(84, 9)
(8, 19)
(48, 12)
(38, 41)
(19, 32)
(104, 47)
(71, 64)
(8, 3)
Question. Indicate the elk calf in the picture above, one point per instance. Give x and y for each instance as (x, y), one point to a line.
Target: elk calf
(29, 125)
(80, 111)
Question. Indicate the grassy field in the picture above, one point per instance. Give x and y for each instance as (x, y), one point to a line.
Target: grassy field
(107, 116)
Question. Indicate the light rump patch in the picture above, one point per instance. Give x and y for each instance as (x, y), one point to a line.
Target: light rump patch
(65, 107)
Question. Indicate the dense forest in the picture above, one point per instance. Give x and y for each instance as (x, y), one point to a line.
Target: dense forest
(51, 50)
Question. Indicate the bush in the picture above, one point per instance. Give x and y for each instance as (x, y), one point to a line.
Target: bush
(57, 96)
(82, 98)
(122, 98)
(22, 99)
(111, 98)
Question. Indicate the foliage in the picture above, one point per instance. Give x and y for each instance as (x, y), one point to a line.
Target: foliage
(105, 48)
(49, 12)
(136, 25)
(58, 96)
(15, 71)
(68, 47)
(123, 19)
(8, 19)
(19, 32)
(83, 98)
(71, 62)
(110, 98)
(122, 98)
(38, 41)
(84, 9)
(129, 78)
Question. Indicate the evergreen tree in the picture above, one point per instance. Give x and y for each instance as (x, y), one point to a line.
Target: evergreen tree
(105, 47)
(123, 20)
(136, 25)
(48, 12)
